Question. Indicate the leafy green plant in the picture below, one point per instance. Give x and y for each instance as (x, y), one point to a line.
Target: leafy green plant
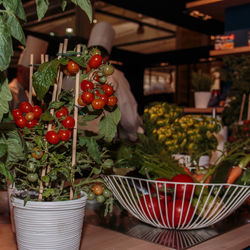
(201, 81)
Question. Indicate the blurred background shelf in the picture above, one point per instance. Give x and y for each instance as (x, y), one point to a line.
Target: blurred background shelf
(237, 50)
(203, 110)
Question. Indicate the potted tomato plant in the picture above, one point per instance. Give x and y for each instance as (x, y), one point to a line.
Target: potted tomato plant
(43, 151)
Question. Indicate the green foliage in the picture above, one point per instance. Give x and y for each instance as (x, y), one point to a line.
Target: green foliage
(201, 81)
(5, 95)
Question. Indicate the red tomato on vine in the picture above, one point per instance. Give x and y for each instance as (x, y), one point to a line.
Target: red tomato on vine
(73, 67)
(95, 61)
(68, 122)
(52, 137)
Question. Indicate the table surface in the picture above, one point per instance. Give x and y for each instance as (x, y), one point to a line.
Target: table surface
(121, 231)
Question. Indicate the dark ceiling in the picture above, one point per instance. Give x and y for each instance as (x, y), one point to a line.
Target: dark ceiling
(174, 12)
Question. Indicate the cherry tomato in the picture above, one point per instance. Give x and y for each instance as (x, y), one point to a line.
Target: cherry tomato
(95, 61)
(97, 189)
(86, 85)
(95, 51)
(183, 189)
(29, 116)
(21, 122)
(52, 137)
(64, 134)
(16, 113)
(91, 196)
(100, 198)
(68, 122)
(153, 208)
(62, 113)
(37, 110)
(108, 69)
(31, 124)
(25, 107)
(73, 67)
(106, 193)
(37, 153)
(98, 103)
(32, 177)
(108, 89)
(179, 210)
(87, 97)
(112, 100)
(102, 79)
(104, 97)
(31, 167)
(81, 102)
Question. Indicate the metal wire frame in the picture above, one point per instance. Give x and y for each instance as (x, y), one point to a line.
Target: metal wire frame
(213, 202)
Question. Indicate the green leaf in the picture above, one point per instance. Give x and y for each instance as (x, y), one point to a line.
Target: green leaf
(6, 49)
(81, 60)
(108, 163)
(56, 105)
(5, 96)
(41, 8)
(46, 179)
(88, 118)
(15, 147)
(92, 147)
(6, 172)
(15, 27)
(96, 170)
(86, 6)
(46, 116)
(123, 171)
(45, 77)
(108, 125)
(3, 149)
(63, 60)
(63, 4)
(17, 7)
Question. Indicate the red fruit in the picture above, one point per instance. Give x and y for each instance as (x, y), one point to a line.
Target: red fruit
(37, 110)
(87, 97)
(98, 103)
(21, 122)
(73, 67)
(25, 107)
(183, 189)
(68, 122)
(112, 100)
(64, 134)
(86, 85)
(179, 212)
(62, 113)
(95, 61)
(104, 97)
(52, 137)
(161, 186)
(31, 124)
(151, 208)
(16, 113)
(108, 89)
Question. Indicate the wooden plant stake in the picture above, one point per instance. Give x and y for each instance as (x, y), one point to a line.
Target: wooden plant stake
(248, 108)
(30, 77)
(59, 87)
(74, 143)
(49, 128)
(242, 107)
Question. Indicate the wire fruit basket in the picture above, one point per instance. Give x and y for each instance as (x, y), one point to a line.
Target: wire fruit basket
(176, 205)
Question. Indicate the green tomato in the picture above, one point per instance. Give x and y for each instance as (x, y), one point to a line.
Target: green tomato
(91, 196)
(100, 198)
(106, 193)
(32, 177)
(31, 167)
(108, 69)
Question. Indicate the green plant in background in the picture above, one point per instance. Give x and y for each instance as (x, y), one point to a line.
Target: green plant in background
(235, 70)
(201, 81)
(181, 133)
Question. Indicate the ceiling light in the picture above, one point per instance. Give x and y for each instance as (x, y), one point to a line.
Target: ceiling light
(69, 30)
(94, 20)
(199, 15)
(52, 34)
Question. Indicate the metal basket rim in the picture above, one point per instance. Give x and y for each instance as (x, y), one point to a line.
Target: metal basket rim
(190, 183)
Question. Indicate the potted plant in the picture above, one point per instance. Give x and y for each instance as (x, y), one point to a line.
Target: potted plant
(42, 150)
(189, 138)
(201, 83)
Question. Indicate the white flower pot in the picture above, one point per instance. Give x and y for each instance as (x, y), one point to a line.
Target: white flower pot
(201, 99)
(49, 225)
(185, 160)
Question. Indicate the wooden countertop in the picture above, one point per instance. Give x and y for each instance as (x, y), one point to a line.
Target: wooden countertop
(98, 238)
